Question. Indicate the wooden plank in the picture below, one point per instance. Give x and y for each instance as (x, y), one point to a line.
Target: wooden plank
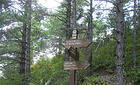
(77, 43)
(75, 65)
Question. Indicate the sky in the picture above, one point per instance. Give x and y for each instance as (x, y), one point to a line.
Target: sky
(51, 4)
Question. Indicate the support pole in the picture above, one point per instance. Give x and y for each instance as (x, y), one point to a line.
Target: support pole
(73, 77)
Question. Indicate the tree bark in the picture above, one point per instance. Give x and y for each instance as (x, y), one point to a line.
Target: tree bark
(90, 30)
(23, 48)
(23, 53)
(68, 28)
(28, 58)
(134, 33)
(120, 38)
(73, 75)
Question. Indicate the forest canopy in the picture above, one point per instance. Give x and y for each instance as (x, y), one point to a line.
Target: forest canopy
(33, 40)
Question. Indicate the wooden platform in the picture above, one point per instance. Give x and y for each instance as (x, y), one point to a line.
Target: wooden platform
(75, 65)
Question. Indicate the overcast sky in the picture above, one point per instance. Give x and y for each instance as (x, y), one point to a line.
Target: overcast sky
(52, 4)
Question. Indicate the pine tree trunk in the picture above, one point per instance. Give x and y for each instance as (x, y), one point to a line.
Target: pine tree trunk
(68, 28)
(23, 53)
(120, 38)
(90, 29)
(28, 58)
(23, 48)
(75, 27)
(134, 31)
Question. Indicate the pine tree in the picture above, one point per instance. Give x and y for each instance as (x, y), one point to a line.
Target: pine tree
(28, 58)
(120, 38)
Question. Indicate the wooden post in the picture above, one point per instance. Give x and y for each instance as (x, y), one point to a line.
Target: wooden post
(73, 72)
(72, 77)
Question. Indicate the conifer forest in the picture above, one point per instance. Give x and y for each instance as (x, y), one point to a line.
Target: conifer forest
(69, 42)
